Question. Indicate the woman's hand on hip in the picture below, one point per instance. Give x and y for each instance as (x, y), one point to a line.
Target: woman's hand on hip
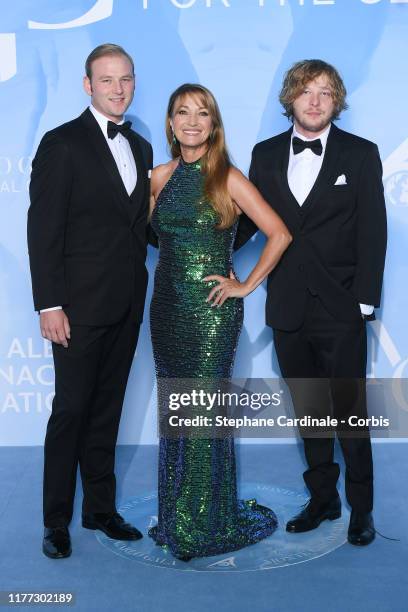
(226, 288)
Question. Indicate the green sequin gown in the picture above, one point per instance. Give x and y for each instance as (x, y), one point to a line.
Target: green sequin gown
(199, 511)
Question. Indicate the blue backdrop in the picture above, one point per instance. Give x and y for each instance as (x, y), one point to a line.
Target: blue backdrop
(240, 49)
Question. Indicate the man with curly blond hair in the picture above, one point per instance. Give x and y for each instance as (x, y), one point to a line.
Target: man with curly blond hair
(326, 185)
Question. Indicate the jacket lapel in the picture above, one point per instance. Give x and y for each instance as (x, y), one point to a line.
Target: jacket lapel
(98, 142)
(327, 172)
(137, 196)
(283, 156)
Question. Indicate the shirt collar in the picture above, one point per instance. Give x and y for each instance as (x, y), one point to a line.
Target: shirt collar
(323, 136)
(102, 120)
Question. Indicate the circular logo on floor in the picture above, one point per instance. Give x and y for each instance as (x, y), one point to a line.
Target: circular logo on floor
(279, 550)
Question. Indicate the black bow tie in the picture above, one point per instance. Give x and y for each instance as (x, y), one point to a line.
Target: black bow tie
(114, 129)
(300, 145)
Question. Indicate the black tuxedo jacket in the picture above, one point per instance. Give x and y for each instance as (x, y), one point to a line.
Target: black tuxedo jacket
(339, 234)
(86, 236)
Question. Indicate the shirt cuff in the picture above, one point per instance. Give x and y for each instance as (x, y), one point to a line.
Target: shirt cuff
(49, 309)
(366, 309)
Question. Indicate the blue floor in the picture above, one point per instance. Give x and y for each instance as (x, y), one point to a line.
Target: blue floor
(348, 578)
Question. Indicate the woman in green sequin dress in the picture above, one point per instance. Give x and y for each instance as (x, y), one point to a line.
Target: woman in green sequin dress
(196, 317)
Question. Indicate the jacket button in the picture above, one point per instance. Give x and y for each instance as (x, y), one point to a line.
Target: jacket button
(301, 267)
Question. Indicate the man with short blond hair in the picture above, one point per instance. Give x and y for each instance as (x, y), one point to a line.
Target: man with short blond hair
(87, 244)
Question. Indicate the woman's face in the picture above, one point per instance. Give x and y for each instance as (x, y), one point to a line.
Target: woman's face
(191, 123)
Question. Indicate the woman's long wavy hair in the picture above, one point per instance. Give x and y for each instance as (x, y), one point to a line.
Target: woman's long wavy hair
(215, 163)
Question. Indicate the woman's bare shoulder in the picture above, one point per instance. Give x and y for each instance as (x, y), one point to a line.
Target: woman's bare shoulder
(162, 172)
(235, 176)
(235, 182)
(160, 175)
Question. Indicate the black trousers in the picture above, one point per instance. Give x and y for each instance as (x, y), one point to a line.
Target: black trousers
(90, 383)
(324, 364)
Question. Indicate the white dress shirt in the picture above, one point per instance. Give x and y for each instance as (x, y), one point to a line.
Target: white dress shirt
(121, 151)
(303, 170)
(123, 156)
(304, 167)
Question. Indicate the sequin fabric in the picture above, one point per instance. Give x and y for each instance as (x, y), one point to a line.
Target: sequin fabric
(199, 511)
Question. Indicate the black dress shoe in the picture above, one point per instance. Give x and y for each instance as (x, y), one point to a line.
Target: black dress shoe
(313, 514)
(361, 530)
(56, 542)
(113, 525)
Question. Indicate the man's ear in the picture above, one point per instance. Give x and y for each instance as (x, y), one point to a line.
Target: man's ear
(87, 85)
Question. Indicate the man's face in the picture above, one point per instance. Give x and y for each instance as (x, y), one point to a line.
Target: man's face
(313, 109)
(111, 86)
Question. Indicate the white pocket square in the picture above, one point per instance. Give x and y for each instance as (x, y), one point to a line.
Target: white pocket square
(341, 180)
